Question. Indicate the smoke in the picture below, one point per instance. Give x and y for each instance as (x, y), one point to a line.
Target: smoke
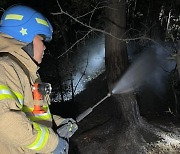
(150, 68)
(159, 79)
(89, 62)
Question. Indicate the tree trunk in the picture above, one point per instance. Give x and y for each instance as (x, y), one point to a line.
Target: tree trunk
(116, 53)
(178, 58)
(129, 109)
(117, 60)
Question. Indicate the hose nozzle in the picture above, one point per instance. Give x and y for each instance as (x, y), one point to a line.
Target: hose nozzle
(109, 94)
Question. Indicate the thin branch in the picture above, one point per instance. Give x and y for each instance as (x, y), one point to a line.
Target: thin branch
(92, 14)
(82, 73)
(75, 44)
(1, 9)
(59, 6)
(96, 8)
(97, 30)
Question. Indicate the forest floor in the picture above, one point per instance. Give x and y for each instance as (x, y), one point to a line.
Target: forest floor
(102, 133)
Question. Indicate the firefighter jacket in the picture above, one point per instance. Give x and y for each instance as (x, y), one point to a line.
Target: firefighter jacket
(21, 131)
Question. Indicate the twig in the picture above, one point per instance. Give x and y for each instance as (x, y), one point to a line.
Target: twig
(82, 73)
(75, 43)
(1, 9)
(97, 30)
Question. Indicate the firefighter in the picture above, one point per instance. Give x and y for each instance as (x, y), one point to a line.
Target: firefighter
(22, 32)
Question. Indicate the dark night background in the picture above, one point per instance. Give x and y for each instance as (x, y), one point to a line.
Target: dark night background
(158, 97)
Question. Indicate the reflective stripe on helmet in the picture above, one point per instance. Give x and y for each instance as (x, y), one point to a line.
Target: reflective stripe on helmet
(7, 93)
(41, 139)
(41, 21)
(37, 117)
(13, 17)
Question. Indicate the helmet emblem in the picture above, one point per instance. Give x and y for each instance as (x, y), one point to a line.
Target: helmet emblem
(23, 31)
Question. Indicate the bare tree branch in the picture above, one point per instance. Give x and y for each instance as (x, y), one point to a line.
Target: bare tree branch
(75, 44)
(1, 9)
(82, 73)
(143, 37)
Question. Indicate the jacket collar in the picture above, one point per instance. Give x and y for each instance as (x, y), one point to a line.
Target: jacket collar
(14, 47)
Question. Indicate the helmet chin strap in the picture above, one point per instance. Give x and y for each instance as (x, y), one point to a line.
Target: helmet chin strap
(29, 49)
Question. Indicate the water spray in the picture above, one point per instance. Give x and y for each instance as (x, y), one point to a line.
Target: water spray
(90, 109)
(139, 72)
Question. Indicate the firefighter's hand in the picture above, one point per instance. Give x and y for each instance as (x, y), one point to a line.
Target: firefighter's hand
(67, 128)
(62, 147)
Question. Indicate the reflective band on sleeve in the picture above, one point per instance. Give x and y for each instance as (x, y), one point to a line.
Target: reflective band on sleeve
(27, 109)
(13, 17)
(37, 117)
(41, 139)
(42, 22)
(7, 93)
(19, 97)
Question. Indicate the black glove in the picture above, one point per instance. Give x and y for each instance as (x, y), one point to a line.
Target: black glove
(62, 147)
(67, 128)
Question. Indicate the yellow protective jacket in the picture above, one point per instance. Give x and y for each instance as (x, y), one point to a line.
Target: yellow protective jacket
(21, 131)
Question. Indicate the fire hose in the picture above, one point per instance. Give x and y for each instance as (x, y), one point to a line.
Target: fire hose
(90, 109)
